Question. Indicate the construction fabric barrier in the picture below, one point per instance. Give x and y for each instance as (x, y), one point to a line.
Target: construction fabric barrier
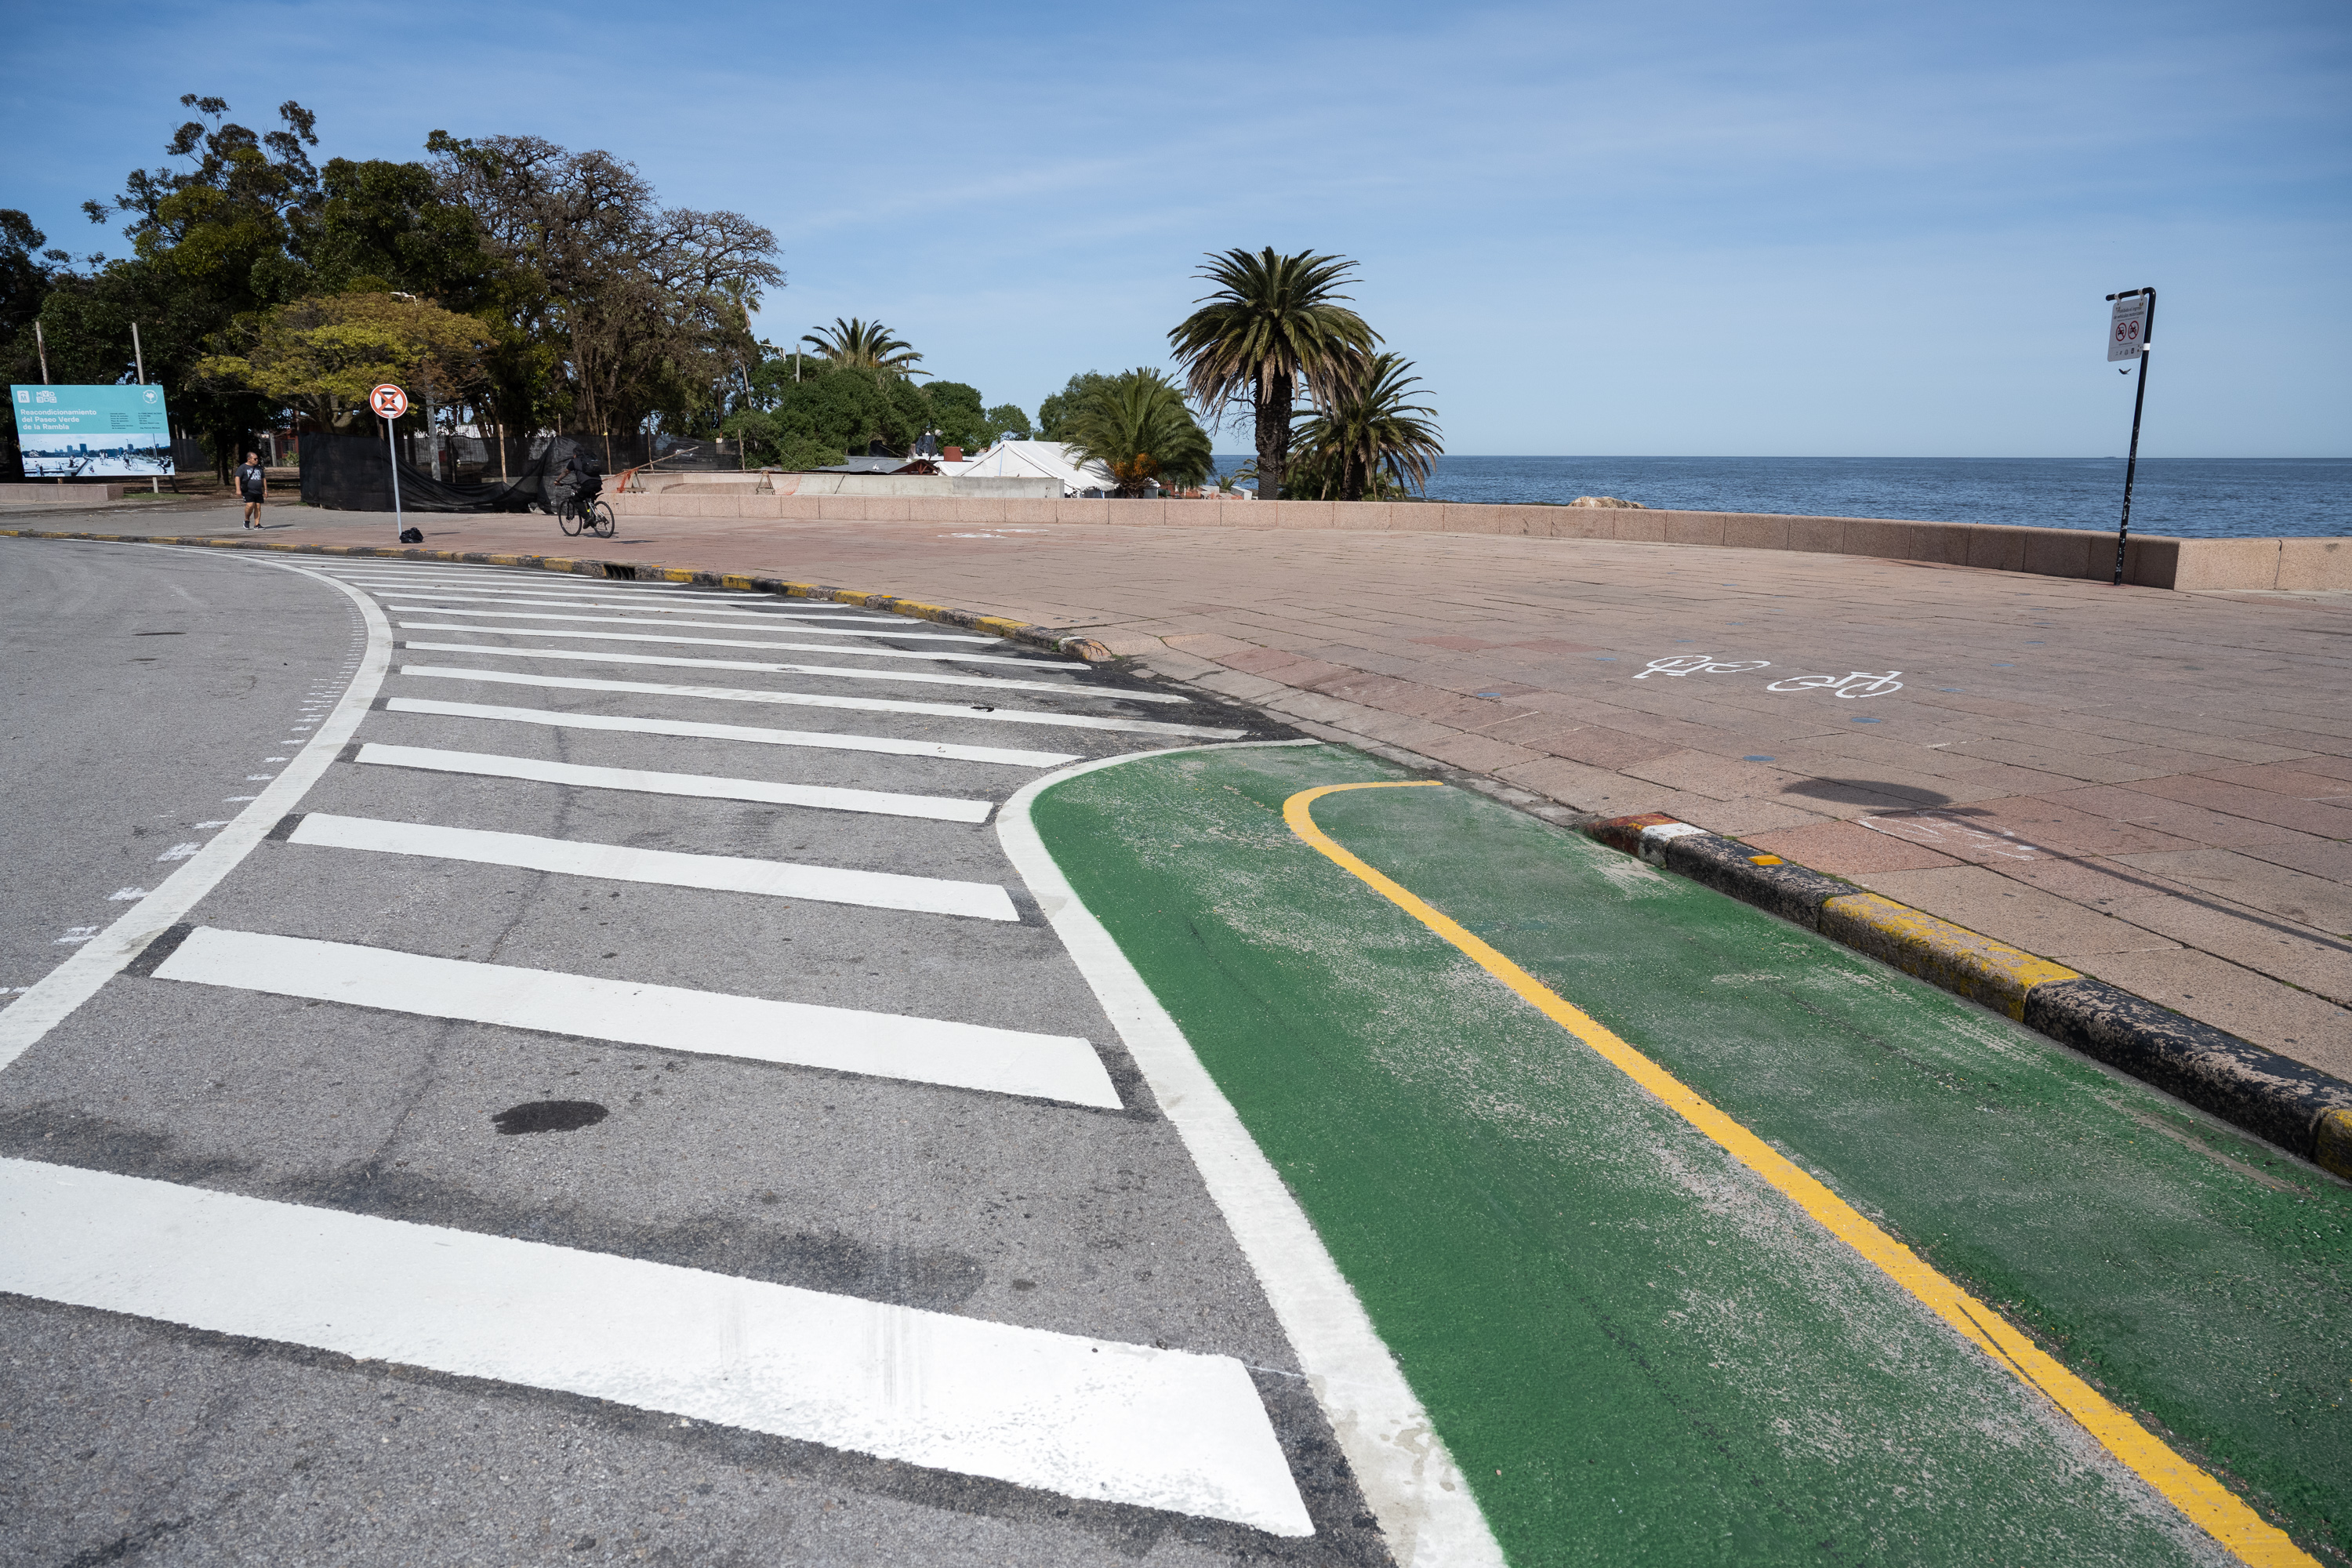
(353, 473)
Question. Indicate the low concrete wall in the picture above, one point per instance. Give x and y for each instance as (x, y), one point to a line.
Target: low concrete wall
(2152, 560)
(938, 486)
(74, 490)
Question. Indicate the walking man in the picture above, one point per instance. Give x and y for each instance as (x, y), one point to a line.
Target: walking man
(253, 481)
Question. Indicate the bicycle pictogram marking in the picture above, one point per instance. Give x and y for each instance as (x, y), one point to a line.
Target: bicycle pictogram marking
(1859, 683)
(1699, 664)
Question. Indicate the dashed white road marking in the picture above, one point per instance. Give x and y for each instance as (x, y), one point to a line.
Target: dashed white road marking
(485, 764)
(614, 862)
(665, 1017)
(814, 699)
(761, 666)
(680, 726)
(845, 651)
(1086, 1418)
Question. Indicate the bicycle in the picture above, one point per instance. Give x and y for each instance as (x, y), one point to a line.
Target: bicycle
(584, 514)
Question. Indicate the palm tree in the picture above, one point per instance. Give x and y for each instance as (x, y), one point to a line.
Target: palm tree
(864, 344)
(1137, 426)
(1272, 323)
(1371, 435)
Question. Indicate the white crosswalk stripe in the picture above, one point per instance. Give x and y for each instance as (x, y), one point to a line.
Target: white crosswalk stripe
(684, 729)
(818, 699)
(618, 862)
(1088, 1418)
(827, 671)
(800, 628)
(665, 1017)
(583, 776)
(840, 651)
(698, 609)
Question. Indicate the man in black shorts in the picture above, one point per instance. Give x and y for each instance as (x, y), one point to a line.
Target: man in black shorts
(253, 483)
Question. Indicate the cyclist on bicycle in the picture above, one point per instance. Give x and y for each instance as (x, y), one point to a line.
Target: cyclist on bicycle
(583, 476)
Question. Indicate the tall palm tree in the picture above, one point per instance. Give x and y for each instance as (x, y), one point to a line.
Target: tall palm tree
(1371, 435)
(1137, 426)
(861, 344)
(1272, 323)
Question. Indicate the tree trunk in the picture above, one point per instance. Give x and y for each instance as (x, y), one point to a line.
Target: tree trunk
(1273, 436)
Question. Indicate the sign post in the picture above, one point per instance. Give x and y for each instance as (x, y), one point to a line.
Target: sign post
(390, 402)
(2128, 330)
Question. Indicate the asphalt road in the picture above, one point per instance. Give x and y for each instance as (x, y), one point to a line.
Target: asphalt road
(615, 1101)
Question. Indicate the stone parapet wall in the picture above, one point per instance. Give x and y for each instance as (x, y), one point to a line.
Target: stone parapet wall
(2153, 561)
(68, 494)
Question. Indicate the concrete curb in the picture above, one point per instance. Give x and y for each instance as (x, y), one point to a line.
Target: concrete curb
(2300, 1109)
(1042, 638)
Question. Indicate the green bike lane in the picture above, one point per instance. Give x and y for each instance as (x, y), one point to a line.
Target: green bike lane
(1636, 1348)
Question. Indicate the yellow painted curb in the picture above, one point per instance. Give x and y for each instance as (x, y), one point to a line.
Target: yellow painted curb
(1938, 952)
(2332, 1148)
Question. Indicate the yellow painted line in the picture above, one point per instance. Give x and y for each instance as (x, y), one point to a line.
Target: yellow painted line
(2209, 1504)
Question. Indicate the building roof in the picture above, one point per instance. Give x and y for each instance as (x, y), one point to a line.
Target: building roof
(1035, 460)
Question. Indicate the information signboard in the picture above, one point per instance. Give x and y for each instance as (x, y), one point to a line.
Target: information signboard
(2127, 329)
(93, 432)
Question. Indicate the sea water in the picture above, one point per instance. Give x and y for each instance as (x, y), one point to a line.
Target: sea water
(2195, 498)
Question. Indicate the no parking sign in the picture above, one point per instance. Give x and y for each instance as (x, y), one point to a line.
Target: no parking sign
(392, 402)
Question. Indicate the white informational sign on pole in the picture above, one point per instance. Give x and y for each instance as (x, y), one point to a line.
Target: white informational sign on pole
(392, 402)
(2127, 333)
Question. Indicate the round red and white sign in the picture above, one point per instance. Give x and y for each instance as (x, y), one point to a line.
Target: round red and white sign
(389, 401)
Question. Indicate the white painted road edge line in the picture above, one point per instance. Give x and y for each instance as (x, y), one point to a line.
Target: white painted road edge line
(1086, 1418)
(1409, 1479)
(816, 699)
(618, 862)
(486, 764)
(636, 1013)
(761, 666)
(77, 979)
(687, 727)
(846, 650)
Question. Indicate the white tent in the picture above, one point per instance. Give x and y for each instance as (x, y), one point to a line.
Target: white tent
(1035, 460)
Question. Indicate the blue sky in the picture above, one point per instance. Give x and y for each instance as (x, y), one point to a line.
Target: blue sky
(1630, 228)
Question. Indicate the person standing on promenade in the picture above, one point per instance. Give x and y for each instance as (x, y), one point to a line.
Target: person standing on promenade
(253, 482)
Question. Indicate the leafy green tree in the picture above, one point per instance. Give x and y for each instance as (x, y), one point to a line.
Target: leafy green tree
(1059, 408)
(380, 228)
(958, 416)
(1272, 323)
(1005, 419)
(831, 411)
(857, 345)
(209, 238)
(1138, 426)
(323, 355)
(1371, 437)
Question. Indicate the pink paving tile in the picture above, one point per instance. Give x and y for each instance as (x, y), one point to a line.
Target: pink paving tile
(1603, 747)
(2304, 815)
(2285, 778)
(1844, 850)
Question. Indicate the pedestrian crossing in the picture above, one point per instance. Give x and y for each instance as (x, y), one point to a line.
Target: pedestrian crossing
(576, 791)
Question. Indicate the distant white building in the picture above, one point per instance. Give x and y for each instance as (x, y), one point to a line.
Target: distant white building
(1037, 459)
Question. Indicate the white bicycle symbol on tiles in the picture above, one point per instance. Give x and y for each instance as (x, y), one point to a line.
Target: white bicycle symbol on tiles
(1700, 664)
(1860, 683)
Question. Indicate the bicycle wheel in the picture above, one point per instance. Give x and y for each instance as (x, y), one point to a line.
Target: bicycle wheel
(601, 521)
(567, 518)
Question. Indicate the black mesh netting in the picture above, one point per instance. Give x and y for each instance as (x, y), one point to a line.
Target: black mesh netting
(353, 473)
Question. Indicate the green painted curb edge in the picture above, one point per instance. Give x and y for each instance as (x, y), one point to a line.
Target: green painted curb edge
(1043, 638)
(2302, 1109)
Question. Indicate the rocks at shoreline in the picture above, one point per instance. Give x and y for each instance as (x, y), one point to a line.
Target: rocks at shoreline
(1608, 500)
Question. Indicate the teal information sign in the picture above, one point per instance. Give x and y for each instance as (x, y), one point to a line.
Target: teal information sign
(93, 432)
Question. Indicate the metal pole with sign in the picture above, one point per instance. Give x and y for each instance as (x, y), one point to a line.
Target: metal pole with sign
(390, 402)
(2128, 330)
(139, 358)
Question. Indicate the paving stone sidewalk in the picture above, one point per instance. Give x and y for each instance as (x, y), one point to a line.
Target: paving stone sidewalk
(2152, 787)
